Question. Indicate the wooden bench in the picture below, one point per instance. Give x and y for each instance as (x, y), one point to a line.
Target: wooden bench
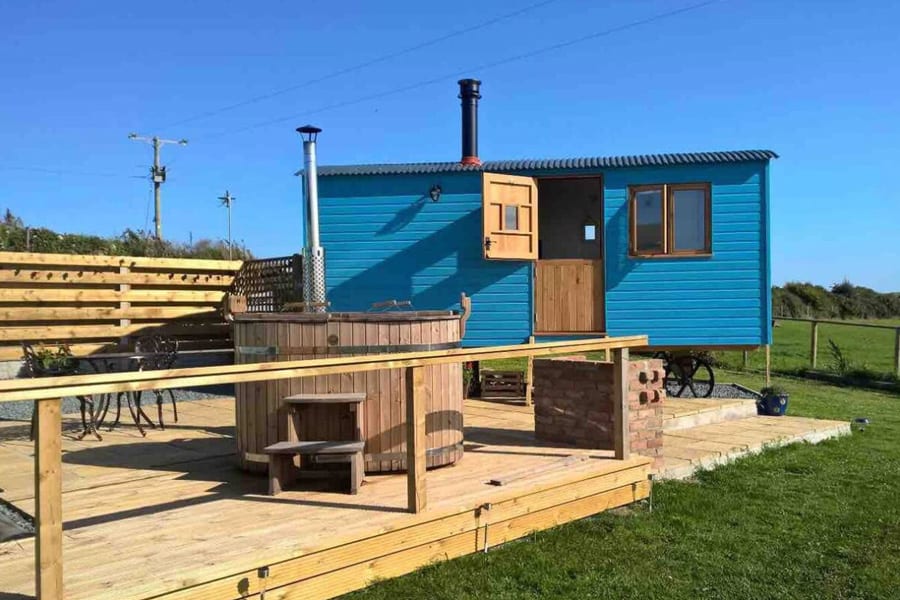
(281, 461)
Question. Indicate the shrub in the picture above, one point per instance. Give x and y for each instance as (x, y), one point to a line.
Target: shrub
(840, 362)
(844, 300)
(15, 237)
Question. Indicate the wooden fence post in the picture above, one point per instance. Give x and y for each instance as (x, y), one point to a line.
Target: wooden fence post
(48, 559)
(814, 344)
(897, 351)
(621, 437)
(768, 365)
(415, 438)
(745, 359)
(124, 288)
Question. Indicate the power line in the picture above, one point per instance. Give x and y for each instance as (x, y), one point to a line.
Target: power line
(70, 172)
(147, 209)
(518, 57)
(362, 65)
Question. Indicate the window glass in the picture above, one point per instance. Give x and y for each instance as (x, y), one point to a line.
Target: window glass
(690, 220)
(590, 232)
(511, 217)
(648, 221)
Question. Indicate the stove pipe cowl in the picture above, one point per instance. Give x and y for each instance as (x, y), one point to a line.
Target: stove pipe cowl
(313, 253)
(469, 92)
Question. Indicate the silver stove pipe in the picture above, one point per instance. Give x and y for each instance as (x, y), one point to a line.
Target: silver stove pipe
(313, 253)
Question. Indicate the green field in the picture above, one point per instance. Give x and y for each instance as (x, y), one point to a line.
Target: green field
(817, 522)
(870, 352)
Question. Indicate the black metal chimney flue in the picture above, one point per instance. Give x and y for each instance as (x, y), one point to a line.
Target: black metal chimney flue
(469, 92)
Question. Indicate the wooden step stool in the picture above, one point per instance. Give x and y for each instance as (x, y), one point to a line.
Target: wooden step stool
(281, 461)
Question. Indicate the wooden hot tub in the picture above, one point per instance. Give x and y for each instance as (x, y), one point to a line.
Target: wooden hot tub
(262, 337)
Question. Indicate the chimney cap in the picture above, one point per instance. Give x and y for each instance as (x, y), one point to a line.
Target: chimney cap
(469, 88)
(309, 129)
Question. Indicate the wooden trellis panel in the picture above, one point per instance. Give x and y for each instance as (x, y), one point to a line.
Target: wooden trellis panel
(269, 283)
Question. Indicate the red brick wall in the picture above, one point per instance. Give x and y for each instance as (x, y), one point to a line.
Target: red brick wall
(573, 403)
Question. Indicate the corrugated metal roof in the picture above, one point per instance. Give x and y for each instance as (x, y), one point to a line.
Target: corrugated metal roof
(547, 164)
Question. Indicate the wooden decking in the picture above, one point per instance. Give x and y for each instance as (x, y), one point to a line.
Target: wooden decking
(169, 516)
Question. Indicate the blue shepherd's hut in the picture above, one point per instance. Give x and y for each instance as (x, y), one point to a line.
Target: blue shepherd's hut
(675, 246)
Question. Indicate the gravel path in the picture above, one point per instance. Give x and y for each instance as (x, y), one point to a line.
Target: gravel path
(721, 390)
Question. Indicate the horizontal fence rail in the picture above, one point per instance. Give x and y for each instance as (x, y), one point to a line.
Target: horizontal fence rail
(814, 337)
(95, 303)
(103, 383)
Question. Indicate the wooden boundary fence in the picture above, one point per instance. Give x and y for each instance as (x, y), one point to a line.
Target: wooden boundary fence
(94, 303)
(49, 391)
(814, 337)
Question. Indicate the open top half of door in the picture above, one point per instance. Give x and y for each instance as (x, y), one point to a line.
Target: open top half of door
(510, 205)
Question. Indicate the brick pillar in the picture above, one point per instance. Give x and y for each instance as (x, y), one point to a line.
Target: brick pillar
(573, 403)
(646, 394)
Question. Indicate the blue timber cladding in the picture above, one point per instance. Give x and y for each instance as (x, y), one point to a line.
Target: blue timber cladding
(716, 300)
(385, 239)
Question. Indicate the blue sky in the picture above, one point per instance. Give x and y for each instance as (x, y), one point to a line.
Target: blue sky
(816, 81)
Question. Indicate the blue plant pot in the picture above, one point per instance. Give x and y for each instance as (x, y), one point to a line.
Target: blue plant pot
(772, 406)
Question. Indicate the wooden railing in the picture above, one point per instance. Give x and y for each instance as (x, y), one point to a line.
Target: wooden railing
(48, 393)
(93, 303)
(814, 337)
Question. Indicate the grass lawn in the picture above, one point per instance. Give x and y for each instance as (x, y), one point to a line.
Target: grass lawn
(805, 521)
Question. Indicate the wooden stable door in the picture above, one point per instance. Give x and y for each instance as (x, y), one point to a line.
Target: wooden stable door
(568, 296)
(509, 205)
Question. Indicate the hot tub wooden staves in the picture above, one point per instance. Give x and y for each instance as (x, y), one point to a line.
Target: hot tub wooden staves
(261, 337)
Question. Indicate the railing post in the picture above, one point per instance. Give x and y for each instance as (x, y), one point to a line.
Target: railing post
(48, 559)
(814, 344)
(897, 351)
(621, 437)
(529, 375)
(415, 438)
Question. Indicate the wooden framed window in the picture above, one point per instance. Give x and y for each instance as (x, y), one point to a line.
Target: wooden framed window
(670, 219)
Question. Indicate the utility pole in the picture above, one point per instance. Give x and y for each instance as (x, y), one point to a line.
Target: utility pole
(157, 173)
(227, 199)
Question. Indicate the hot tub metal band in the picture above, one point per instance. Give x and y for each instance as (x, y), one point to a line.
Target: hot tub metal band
(301, 350)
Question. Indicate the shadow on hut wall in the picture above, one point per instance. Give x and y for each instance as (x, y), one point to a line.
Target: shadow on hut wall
(395, 276)
(618, 264)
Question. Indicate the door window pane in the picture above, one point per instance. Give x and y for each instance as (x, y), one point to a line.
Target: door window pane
(690, 220)
(648, 221)
(511, 217)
